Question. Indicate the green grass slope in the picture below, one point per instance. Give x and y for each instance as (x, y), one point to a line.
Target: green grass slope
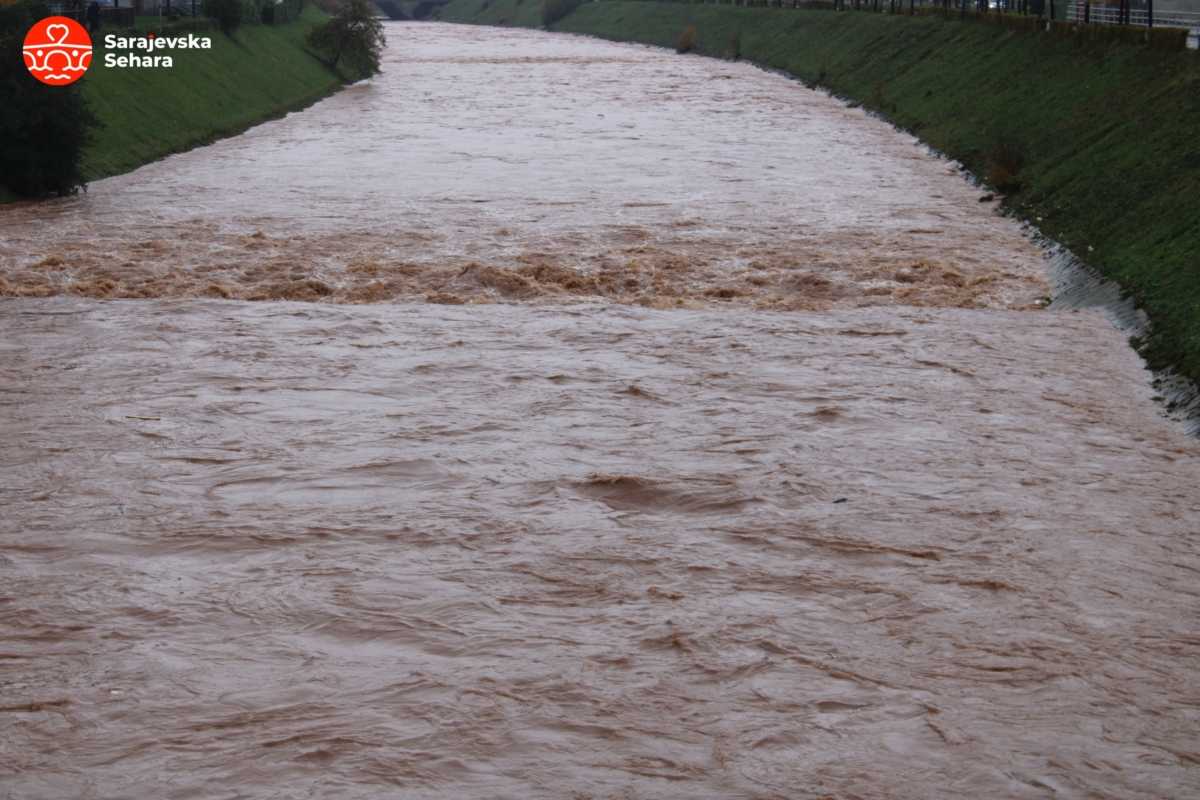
(260, 73)
(1106, 135)
(518, 13)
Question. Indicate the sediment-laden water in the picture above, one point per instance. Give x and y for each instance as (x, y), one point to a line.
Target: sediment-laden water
(518, 166)
(730, 459)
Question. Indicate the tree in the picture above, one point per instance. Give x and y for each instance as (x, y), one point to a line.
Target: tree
(227, 13)
(43, 129)
(353, 37)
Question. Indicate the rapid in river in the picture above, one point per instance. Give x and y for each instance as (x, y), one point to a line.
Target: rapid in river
(620, 425)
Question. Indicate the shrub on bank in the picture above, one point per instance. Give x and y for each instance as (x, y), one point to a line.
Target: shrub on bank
(734, 52)
(352, 38)
(687, 40)
(554, 10)
(1004, 163)
(43, 129)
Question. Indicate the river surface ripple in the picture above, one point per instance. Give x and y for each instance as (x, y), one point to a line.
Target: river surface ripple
(513, 165)
(595, 523)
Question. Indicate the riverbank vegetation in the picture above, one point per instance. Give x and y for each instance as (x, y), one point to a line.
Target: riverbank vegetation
(43, 130)
(554, 10)
(351, 39)
(1091, 138)
(115, 120)
(263, 71)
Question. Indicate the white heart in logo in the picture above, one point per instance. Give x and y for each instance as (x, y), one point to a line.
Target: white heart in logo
(53, 31)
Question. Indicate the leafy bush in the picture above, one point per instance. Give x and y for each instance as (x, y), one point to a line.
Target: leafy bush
(877, 99)
(1004, 163)
(352, 37)
(687, 40)
(734, 52)
(226, 13)
(43, 128)
(554, 10)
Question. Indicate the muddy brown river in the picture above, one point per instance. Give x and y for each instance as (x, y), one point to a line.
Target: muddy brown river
(617, 425)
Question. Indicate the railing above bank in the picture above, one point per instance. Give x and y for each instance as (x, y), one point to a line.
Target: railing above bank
(1120, 21)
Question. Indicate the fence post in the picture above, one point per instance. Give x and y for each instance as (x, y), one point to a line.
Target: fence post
(1149, 13)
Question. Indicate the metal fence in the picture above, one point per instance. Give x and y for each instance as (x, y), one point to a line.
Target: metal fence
(1111, 15)
(1145, 23)
(110, 16)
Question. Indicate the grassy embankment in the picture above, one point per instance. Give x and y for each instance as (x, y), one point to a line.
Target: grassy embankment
(1103, 138)
(520, 13)
(262, 72)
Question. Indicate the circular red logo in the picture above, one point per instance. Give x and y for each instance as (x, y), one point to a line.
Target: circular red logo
(57, 51)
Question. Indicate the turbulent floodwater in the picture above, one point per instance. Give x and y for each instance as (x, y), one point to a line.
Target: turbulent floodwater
(854, 522)
(519, 166)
